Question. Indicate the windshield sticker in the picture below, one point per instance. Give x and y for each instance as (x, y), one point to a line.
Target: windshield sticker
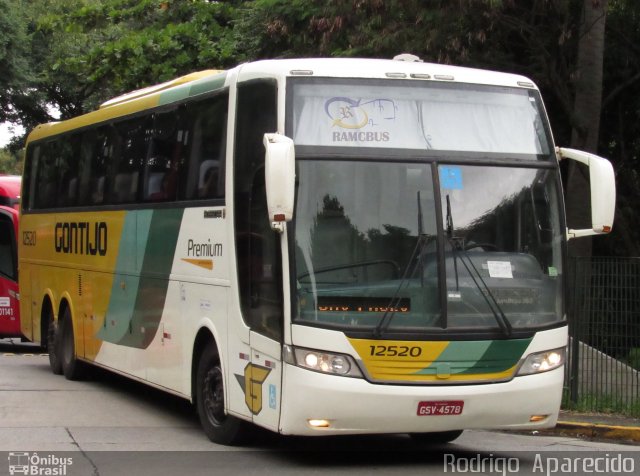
(455, 296)
(500, 269)
(451, 178)
(348, 114)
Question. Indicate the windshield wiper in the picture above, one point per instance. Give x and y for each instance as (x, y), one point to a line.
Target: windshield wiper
(415, 262)
(485, 291)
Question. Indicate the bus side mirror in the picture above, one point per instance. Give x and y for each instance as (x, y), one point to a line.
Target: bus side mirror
(603, 191)
(280, 179)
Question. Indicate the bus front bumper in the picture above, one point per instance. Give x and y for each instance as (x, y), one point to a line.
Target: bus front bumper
(343, 405)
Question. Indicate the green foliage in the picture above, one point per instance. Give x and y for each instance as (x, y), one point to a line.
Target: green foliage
(602, 404)
(91, 50)
(435, 30)
(10, 163)
(14, 65)
(634, 358)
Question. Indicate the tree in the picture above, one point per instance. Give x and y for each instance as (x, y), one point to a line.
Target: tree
(13, 59)
(586, 116)
(88, 50)
(9, 164)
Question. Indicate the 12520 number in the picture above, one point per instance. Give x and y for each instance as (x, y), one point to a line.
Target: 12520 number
(395, 351)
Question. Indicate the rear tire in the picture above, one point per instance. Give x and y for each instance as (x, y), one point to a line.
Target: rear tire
(53, 347)
(72, 368)
(436, 437)
(219, 427)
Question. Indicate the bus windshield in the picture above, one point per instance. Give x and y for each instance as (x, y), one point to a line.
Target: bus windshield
(370, 247)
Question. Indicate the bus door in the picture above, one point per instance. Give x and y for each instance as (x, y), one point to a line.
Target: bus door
(263, 308)
(9, 297)
(258, 253)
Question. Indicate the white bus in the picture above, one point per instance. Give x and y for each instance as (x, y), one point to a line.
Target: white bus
(314, 246)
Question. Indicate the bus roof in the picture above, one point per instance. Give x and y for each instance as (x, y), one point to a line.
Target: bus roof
(210, 80)
(380, 68)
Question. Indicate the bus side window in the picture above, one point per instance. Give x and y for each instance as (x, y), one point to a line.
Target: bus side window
(99, 160)
(258, 250)
(86, 158)
(46, 176)
(207, 134)
(134, 136)
(164, 162)
(28, 177)
(67, 194)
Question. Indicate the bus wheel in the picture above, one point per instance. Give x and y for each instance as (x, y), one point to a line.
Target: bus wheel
(72, 368)
(436, 437)
(218, 426)
(53, 347)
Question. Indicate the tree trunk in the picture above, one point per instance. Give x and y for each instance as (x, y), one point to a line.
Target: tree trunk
(586, 118)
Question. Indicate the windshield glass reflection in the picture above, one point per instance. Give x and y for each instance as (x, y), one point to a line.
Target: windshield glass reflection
(367, 256)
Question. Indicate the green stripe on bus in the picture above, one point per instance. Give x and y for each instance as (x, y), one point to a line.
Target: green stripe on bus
(206, 85)
(184, 91)
(137, 301)
(500, 356)
(124, 288)
(176, 94)
(478, 357)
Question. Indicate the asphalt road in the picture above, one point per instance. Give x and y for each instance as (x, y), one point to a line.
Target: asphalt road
(108, 425)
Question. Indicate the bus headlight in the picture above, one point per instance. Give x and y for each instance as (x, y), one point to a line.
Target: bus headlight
(543, 361)
(320, 361)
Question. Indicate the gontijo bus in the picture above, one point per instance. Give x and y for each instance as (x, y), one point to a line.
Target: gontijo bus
(9, 296)
(316, 246)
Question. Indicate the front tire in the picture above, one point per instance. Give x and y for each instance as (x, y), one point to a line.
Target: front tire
(72, 368)
(436, 437)
(219, 427)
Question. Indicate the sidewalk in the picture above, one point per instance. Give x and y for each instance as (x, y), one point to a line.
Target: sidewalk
(599, 426)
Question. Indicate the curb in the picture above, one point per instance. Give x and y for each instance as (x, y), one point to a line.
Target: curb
(597, 430)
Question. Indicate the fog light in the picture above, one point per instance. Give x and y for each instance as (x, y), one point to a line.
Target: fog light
(319, 423)
(538, 418)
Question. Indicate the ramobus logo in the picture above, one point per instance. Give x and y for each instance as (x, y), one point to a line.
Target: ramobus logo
(82, 238)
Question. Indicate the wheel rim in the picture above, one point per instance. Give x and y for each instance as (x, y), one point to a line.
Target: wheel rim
(213, 393)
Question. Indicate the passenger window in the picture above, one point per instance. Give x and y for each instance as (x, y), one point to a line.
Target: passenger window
(98, 163)
(67, 195)
(165, 162)
(86, 158)
(28, 178)
(208, 131)
(47, 176)
(134, 136)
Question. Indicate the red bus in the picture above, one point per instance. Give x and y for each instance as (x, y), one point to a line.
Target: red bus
(9, 297)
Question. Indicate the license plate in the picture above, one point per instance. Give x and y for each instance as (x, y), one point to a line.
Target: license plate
(440, 408)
